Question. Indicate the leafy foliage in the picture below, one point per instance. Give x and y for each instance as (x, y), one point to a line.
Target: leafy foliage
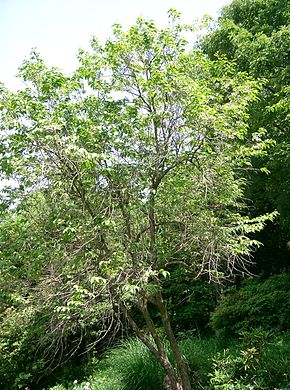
(260, 360)
(257, 304)
(262, 365)
(190, 302)
(255, 34)
(18, 348)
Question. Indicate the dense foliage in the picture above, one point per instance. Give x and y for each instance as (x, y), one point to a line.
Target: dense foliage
(190, 302)
(255, 34)
(257, 304)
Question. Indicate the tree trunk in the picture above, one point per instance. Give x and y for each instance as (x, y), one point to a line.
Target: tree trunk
(177, 380)
(182, 367)
(173, 379)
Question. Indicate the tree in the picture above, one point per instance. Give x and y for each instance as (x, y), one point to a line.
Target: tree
(140, 159)
(255, 34)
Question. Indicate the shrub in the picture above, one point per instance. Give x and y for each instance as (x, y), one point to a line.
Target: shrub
(18, 332)
(26, 360)
(257, 304)
(262, 362)
(199, 353)
(259, 360)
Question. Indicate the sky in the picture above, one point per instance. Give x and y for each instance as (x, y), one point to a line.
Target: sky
(59, 28)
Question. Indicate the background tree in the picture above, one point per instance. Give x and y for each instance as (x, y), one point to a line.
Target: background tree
(256, 35)
(132, 167)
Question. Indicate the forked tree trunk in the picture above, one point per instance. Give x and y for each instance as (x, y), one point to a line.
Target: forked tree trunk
(175, 379)
(182, 367)
(171, 380)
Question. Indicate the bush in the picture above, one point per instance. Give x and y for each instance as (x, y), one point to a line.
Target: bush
(259, 360)
(26, 359)
(131, 366)
(18, 348)
(257, 304)
(262, 362)
(199, 353)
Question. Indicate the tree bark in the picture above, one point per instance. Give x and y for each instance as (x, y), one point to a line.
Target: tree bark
(172, 380)
(182, 367)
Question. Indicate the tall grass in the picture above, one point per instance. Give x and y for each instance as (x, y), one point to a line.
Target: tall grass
(199, 353)
(135, 367)
(275, 363)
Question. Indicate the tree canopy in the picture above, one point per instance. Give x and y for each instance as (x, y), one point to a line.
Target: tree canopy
(130, 168)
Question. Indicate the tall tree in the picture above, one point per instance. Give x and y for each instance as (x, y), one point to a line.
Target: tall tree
(256, 35)
(141, 156)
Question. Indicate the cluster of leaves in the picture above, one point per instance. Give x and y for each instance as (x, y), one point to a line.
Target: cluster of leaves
(18, 334)
(46, 311)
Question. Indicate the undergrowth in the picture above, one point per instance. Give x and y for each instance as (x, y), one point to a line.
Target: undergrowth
(259, 360)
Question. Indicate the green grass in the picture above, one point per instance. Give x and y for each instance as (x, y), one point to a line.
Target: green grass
(133, 366)
(128, 366)
(276, 363)
(199, 353)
